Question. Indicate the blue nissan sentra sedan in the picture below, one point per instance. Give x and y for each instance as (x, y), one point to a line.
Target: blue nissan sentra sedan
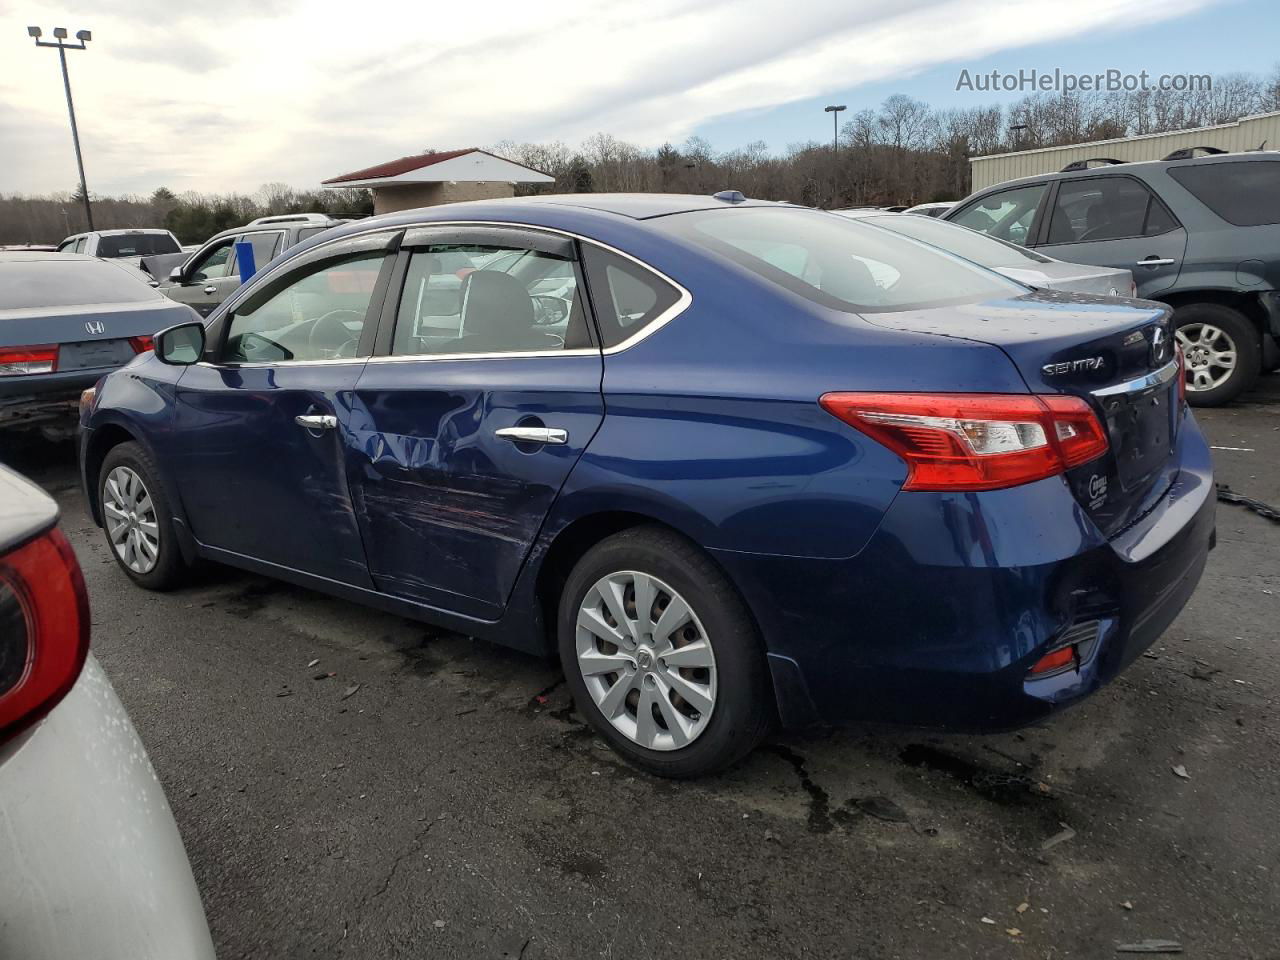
(737, 462)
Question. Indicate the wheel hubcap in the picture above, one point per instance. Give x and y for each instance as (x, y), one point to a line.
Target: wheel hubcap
(131, 520)
(1210, 355)
(646, 660)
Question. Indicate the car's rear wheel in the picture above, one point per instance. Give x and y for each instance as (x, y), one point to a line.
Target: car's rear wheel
(661, 655)
(137, 520)
(1221, 349)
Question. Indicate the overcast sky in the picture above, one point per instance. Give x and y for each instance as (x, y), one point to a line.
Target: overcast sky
(238, 93)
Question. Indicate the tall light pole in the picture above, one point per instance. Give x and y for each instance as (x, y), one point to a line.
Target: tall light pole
(60, 35)
(835, 125)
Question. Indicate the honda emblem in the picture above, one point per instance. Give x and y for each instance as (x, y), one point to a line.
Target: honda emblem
(95, 327)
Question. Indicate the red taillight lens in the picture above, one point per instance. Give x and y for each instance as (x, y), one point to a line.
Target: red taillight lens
(44, 629)
(16, 361)
(975, 441)
(141, 344)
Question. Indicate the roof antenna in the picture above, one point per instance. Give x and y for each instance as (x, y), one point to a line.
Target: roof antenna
(730, 196)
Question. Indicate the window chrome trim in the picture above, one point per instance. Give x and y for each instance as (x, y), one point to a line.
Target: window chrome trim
(1155, 378)
(657, 323)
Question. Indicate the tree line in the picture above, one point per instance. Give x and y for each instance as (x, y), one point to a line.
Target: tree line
(902, 152)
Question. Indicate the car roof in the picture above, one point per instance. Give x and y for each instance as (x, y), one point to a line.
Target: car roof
(1140, 166)
(638, 206)
(127, 230)
(28, 256)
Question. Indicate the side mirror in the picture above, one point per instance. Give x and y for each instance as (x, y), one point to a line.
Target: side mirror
(180, 346)
(175, 275)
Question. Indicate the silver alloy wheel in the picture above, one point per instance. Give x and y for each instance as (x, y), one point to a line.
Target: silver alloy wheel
(1210, 355)
(646, 660)
(131, 520)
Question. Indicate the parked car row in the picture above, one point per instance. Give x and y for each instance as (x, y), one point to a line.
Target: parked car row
(1201, 234)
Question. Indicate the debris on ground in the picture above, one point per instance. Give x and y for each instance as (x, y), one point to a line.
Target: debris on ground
(439, 924)
(1181, 771)
(1013, 931)
(1150, 946)
(1227, 495)
(1062, 836)
(350, 691)
(1127, 904)
(882, 808)
(313, 663)
(323, 676)
(541, 699)
(770, 836)
(988, 920)
(1022, 907)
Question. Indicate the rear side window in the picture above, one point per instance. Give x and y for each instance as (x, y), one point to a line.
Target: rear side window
(67, 283)
(80, 244)
(306, 233)
(1007, 214)
(1244, 193)
(627, 297)
(1106, 208)
(137, 245)
(840, 263)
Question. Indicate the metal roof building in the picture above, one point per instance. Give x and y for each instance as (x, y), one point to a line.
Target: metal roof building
(1247, 133)
(430, 178)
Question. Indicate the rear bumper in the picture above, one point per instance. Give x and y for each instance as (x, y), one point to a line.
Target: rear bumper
(45, 386)
(939, 619)
(93, 863)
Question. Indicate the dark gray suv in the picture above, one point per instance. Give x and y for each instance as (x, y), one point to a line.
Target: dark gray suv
(1200, 233)
(211, 274)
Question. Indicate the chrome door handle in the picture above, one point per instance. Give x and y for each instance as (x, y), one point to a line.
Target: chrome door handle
(1166, 261)
(211, 289)
(533, 435)
(316, 421)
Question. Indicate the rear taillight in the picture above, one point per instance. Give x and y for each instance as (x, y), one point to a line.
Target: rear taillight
(17, 361)
(44, 629)
(141, 344)
(975, 441)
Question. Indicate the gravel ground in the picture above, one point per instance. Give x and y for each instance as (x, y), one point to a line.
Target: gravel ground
(437, 796)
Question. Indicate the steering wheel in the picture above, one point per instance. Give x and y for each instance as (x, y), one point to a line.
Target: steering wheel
(329, 333)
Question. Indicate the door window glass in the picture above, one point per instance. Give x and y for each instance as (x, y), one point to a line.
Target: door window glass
(80, 244)
(1007, 214)
(265, 246)
(315, 313)
(628, 297)
(1106, 208)
(470, 299)
(213, 265)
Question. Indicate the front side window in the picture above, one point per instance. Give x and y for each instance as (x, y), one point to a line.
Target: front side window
(1007, 214)
(213, 265)
(265, 247)
(315, 313)
(1245, 193)
(1106, 208)
(484, 299)
(837, 262)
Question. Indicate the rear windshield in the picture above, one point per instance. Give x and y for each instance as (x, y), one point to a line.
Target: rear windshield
(67, 283)
(1245, 193)
(137, 245)
(963, 242)
(839, 263)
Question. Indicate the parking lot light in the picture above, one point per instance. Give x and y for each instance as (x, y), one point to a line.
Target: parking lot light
(60, 36)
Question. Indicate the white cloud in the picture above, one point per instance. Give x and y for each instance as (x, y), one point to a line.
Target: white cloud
(244, 92)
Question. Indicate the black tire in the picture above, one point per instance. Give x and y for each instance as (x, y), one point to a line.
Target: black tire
(1248, 350)
(169, 569)
(743, 711)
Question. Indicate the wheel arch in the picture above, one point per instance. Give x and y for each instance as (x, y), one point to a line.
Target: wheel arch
(102, 440)
(1245, 303)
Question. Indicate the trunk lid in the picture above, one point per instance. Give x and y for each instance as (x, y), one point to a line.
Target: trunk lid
(1074, 277)
(1118, 356)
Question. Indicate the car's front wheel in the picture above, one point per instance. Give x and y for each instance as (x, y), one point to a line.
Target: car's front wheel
(137, 519)
(662, 656)
(1221, 349)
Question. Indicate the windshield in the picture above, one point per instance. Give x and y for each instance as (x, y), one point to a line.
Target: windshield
(137, 245)
(838, 262)
(963, 242)
(66, 283)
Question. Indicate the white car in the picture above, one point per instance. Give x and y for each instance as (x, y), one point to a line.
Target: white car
(931, 209)
(91, 863)
(1015, 262)
(131, 245)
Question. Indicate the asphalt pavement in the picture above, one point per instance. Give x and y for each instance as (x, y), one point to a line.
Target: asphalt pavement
(351, 784)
